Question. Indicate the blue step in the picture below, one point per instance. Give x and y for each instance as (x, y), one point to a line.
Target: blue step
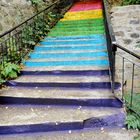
(67, 63)
(97, 36)
(47, 48)
(65, 55)
(73, 42)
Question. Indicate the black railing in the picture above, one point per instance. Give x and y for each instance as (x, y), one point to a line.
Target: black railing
(16, 43)
(124, 68)
(110, 47)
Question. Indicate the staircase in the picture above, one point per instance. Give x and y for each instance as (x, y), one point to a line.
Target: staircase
(65, 84)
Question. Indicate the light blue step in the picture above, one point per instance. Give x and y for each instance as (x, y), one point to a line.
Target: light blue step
(67, 63)
(73, 42)
(65, 55)
(47, 48)
(94, 36)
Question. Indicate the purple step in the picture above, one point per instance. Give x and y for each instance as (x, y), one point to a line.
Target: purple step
(68, 72)
(96, 102)
(24, 119)
(82, 85)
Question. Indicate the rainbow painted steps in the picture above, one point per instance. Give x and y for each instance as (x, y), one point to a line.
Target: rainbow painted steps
(65, 84)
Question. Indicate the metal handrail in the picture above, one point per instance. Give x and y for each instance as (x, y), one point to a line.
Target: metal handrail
(126, 50)
(14, 28)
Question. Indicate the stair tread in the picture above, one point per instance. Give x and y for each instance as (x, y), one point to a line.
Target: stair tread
(21, 115)
(84, 134)
(47, 59)
(68, 55)
(63, 79)
(53, 93)
(70, 50)
(73, 45)
(97, 36)
(50, 68)
(66, 63)
(74, 41)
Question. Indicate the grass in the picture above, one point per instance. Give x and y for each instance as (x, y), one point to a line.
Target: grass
(135, 103)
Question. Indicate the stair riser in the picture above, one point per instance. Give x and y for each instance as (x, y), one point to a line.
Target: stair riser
(60, 101)
(116, 120)
(72, 73)
(76, 33)
(75, 48)
(68, 63)
(73, 42)
(76, 22)
(45, 127)
(79, 29)
(95, 85)
(98, 36)
(68, 55)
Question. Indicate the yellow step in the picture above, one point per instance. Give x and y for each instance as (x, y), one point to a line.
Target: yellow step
(90, 14)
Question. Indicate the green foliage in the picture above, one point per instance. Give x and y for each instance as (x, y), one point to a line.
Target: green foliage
(13, 54)
(9, 71)
(41, 25)
(135, 103)
(129, 2)
(36, 4)
(137, 137)
(132, 121)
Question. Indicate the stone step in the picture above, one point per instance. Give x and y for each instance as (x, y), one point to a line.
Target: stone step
(46, 42)
(69, 48)
(81, 25)
(97, 36)
(29, 119)
(66, 39)
(61, 79)
(68, 68)
(73, 45)
(76, 33)
(69, 55)
(81, 85)
(38, 92)
(83, 134)
(42, 49)
(96, 62)
(81, 15)
(80, 22)
(82, 28)
(104, 72)
(58, 96)
(43, 58)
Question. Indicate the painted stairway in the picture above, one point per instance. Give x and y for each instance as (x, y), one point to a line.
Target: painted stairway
(65, 84)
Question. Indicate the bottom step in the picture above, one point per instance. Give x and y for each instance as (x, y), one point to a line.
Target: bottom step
(85, 134)
(30, 119)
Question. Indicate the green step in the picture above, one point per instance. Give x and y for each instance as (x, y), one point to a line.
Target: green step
(77, 29)
(79, 25)
(75, 22)
(76, 33)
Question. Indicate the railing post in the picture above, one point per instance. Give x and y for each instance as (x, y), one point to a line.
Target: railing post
(114, 49)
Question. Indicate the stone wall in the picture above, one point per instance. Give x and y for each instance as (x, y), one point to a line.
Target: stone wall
(13, 12)
(126, 26)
